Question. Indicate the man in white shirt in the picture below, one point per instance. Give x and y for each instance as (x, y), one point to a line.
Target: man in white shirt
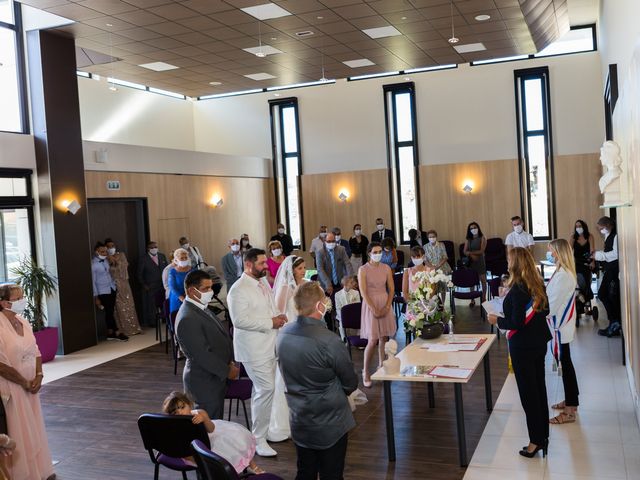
(519, 237)
(256, 321)
(317, 243)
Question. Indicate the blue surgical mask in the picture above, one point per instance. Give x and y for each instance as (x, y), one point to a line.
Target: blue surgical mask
(550, 257)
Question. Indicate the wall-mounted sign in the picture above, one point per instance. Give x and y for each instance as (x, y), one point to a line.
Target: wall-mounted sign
(113, 185)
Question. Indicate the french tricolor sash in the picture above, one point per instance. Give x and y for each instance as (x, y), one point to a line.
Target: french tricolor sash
(528, 316)
(555, 325)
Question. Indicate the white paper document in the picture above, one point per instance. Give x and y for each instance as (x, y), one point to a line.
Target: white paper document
(494, 306)
(450, 372)
(459, 339)
(450, 347)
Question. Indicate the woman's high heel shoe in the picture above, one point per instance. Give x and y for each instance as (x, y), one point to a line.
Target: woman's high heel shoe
(526, 453)
(365, 382)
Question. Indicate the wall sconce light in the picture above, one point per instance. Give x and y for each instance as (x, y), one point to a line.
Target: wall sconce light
(216, 201)
(467, 188)
(343, 196)
(71, 206)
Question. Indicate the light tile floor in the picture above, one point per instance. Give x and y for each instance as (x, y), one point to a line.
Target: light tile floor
(105, 351)
(604, 442)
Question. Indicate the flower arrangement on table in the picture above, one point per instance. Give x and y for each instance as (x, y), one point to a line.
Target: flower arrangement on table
(424, 307)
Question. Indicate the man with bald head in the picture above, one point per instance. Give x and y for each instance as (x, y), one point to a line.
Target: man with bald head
(232, 266)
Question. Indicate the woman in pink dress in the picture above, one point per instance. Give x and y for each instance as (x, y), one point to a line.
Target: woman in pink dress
(274, 252)
(20, 381)
(378, 322)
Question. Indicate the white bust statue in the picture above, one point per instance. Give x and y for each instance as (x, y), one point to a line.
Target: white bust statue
(391, 365)
(610, 182)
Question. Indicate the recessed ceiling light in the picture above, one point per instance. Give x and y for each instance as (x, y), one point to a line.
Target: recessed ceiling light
(274, 38)
(109, 24)
(482, 18)
(319, 17)
(304, 33)
(470, 47)
(382, 32)
(262, 50)
(266, 11)
(215, 83)
(276, 94)
(158, 66)
(453, 40)
(406, 79)
(260, 76)
(361, 62)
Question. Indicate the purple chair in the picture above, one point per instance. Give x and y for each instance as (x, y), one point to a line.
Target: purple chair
(240, 391)
(168, 439)
(494, 286)
(351, 316)
(398, 300)
(212, 466)
(468, 279)
(495, 257)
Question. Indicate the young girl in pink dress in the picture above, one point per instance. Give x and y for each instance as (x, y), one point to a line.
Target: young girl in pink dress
(230, 440)
(378, 322)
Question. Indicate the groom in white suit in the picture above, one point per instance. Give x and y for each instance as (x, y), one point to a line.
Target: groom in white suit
(256, 321)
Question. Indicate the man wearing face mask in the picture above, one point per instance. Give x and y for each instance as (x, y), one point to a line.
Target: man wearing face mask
(609, 291)
(319, 376)
(149, 274)
(285, 240)
(256, 321)
(232, 265)
(197, 260)
(341, 241)
(104, 290)
(519, 237)
(381, 233)
(206, 345)
(317, 243)
(333, 264)
(358, 246)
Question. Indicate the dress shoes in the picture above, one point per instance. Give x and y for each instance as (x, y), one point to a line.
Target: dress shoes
(264, 450)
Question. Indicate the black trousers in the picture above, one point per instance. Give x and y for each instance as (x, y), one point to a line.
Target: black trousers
(328, 463)
(569, 380)
(150, 307)
(609, 295)
(108, 301)
(528, 367)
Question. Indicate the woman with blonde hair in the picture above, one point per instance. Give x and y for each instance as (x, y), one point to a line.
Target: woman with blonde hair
(525, 312)
(561, 292)
(275, 258)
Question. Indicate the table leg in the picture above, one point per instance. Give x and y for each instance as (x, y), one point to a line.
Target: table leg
(462, 438)
(487, 383)
(388, 416)
(431, 394)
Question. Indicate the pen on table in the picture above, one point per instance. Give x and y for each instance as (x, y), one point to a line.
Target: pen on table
(450, 366)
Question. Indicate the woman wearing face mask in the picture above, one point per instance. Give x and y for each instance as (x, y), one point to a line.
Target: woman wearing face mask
(436, 258)
(562, 324)
(358, 244)
(244, 243)
(389, 253)
(583, 245)
(474, 248)
(125, 309)
(274, 260)
(609, 291)
(20, 381)
(378, 322)
(176, 278)
(408, 284)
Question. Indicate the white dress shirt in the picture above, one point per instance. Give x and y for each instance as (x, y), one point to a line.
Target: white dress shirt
(515, 239)
(610, 256)
(252, 308)
(560, 290)
(316, 245)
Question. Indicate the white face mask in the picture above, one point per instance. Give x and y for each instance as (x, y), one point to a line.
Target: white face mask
(330, 245)
(205, 297)
(19, 306)
(474, 231)
(433, 240)
(322, 310)
(579, 231)
(376, 257)
(184, 263)
(338, 238)
(281, 231)
(357, 231)
(111, 251)
(186, 246)
(323, 235)
(380, 227)
(418, 261)
(153, 251)
(277, 252)
(102, 257)
(605, 231)
(235, 248)
(518, 229)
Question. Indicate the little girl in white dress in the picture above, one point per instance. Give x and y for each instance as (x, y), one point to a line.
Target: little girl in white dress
(230, 440)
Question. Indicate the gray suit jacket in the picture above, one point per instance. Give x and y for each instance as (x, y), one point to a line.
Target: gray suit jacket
(230, 270)
(149, 274)
(207, 345)
(323, 261)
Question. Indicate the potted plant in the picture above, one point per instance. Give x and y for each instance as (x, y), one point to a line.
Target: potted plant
(426, 316)
(38, 284)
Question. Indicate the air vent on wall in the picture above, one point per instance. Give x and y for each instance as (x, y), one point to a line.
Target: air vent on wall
(305, 33)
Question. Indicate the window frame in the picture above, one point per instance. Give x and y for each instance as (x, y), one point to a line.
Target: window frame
(522, 135)
(279, 105)
(393, 155)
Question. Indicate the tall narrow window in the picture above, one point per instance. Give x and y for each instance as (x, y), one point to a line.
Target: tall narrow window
(535, 151)
(402, 151)
(12, 80)
(285, 137)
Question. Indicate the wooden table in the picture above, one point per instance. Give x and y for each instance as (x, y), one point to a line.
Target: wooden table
(414, 355)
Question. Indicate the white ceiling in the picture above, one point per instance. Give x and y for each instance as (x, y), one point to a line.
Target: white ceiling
(583, 12)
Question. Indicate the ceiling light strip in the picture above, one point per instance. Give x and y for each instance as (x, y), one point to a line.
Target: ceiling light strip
(372, 75)
(513, 58)
(125, 83)
(167, 93)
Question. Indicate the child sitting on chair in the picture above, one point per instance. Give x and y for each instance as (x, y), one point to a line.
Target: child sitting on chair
(230, 440)
(349, 294)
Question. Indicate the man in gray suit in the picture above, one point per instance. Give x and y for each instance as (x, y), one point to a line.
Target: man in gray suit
(333, 264)
(232, 264)
(149, 274)
(206, 344)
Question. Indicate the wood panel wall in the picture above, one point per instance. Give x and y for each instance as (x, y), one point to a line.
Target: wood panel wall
(368, 200)
(179, 205)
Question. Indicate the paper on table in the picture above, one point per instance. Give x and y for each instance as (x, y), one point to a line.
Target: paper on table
(449, 372)
(494, 306)
(441, 347)
(459, 339)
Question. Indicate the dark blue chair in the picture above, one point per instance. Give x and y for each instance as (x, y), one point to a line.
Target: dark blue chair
(469, 281)
(212, 466)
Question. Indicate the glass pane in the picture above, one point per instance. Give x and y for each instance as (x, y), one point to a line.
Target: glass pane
(538, 192)
(289, 126)
(13, 187)
(6, 11)
(407, 175)
(9, 98)
(580, 40)
(14, 230)
(403, 117)
(291, 164)
(533, 104)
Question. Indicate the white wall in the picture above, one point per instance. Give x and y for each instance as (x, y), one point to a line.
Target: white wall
(17, 151)
(466, 114)
(619, 28)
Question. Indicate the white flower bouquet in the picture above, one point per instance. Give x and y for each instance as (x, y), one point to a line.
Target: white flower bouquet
(424, 306)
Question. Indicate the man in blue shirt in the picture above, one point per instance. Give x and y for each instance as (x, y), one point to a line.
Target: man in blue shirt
(104, 291)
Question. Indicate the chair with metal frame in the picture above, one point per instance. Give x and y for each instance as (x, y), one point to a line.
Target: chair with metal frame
(212, 466)
(351, 318)
(239, 390)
